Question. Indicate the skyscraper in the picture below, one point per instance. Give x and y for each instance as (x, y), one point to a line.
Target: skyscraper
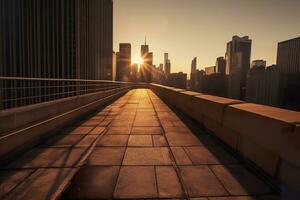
(147, 67)
(114, 66)
(178, 80)
(237, 65)
(144, 50)
(161, 67)
(193, 73)
(124, 62)
(288, 62)
(221, 65)
(194, 65)
(166, 59)
(168, 68)
(288, 56)
(56, 39)
(134, 72)
(263, 85)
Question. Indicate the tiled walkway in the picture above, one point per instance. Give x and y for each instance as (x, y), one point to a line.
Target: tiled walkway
(136, 148)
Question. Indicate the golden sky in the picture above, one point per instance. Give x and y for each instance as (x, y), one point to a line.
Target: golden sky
(189, 28)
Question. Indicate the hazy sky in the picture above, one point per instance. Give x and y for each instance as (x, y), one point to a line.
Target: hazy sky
(189, 28)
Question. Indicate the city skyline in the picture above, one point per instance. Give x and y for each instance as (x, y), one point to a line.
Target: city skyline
(205, 42)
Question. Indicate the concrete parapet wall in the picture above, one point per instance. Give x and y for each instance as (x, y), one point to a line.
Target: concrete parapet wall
(23, 127)
(268, 136)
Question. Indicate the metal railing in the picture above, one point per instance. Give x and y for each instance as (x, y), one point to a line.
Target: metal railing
(20, 91)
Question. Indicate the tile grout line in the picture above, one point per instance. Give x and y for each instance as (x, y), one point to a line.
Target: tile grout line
(173, 161)
(121, 164)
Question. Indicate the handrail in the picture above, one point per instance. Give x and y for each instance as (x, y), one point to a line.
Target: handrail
(22, 91)
(58, 79)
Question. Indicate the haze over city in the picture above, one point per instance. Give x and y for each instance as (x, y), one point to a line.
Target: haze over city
(201, 28)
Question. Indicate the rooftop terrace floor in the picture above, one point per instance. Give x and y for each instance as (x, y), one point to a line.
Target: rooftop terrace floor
(135, 148)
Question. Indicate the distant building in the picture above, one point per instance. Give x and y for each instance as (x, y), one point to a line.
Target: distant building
(166, 60)
(124, 62)
(114, 66)
(178, 80)
(238, 55)
(168, 68)
(161, 67)
(264, 85)
(221, 65)
(288, 56)
(134, 72)
(288, 62)
(194, 65)
(158, 75)
(210, 70)
(146, 67)
(258, 63)
(193, 75)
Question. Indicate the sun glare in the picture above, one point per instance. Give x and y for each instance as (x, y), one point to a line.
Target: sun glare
(139, 61)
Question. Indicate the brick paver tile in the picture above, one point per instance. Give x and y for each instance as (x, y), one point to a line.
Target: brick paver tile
(239, 181)
(43, 184)
(70, 157)
(94, 182)
(37, 157)
(136, 183)
(11, 178)
(121, 123)
(147, 156)
(201, 182)
(113, 140)
(63, 140)
(180, 156)
(87, 141)
(159, 141)
(140, 140)
(76, 130)
(145, 124)
(106, 156)
(213, 155)
(90, 122)
(119, 130)
(183, 140)
(146, 130)
(97, 131)
(168, 183)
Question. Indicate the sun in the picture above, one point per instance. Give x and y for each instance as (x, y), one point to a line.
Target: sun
(139, 61)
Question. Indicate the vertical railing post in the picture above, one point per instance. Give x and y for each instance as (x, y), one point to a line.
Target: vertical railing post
(1, 94)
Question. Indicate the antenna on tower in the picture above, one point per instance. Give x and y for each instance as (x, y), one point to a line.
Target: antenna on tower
(145, 40)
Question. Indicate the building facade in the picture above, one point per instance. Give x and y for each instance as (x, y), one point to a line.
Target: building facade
(178, 80)
(238, 55)
(288, 56)
(288, 62)
(56, 39)
(146, 68)
(193, 75)
(264, 85)
(124, 62)
(221, 65)
(258, 63)
(70, 39)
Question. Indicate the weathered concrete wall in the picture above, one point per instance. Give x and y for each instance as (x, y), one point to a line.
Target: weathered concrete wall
(268, 136)
(24, 127)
